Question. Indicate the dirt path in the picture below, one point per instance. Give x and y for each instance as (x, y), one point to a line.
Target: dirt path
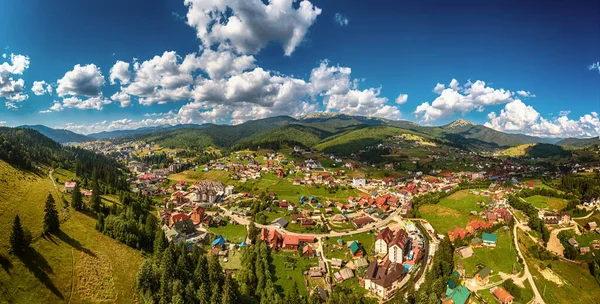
(554, 244)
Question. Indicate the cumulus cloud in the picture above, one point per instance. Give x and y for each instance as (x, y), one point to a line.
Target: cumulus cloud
(218, 64)
(2, 122)
(340, 19)
(120, 71)
(13, 89)
(249, 25)
(564, 113)
(525, 94)
(519, 117)
(402, 99)
(41, 87)
(120, 124)
(81, 81)
(123, 98)
(595, 66)
(461, 99)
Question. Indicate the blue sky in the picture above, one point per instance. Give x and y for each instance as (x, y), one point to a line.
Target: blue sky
(297, 59)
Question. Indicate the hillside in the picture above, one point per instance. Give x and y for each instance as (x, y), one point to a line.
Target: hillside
(291, 135)
(59, 135)
(99, 268)
(535, 150)
(139, 131)
(579, 142)
(352, 141)
(482, 133)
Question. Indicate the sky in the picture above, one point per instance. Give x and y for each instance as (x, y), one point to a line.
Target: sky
(88, 66)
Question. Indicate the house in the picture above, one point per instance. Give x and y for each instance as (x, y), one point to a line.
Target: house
(458, 295)
(344, 274)
(382, 240)
(584, 250)
(573, 242)
(296, 218)
(383, 281)
(565, 218)
(356, 250)
(173, 235)
(290, 242)
(397, 246)
(181, 222)
(280, 223)
(489, 239)
(219, 242)
(273, 238)
(361, 222)
(336, 263)
(360, 263)
(502, 295)
(465, 252)
(197, 215)
(338, 218)
(307, 251)
(591, 225)
(70, 186)
(307, 222)
(322, 293)
(482, 277)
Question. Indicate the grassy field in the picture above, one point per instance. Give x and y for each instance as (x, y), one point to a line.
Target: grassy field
(501, 258)
(452, 211)
(78, 264)
(576, 283)
(552, 203)
(195, 175)
(232, 233)
(332, 250)
(594, 218)
(286, 276)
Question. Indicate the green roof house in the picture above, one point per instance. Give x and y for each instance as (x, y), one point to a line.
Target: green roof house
(356, 249)
(476, 241)
(489, 239)
(458, 295)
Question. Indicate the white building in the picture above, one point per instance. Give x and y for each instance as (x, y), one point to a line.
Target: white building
(359, 182)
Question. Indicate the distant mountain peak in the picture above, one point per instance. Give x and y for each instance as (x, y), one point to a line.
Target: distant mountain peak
(323, 115)
(460, 123)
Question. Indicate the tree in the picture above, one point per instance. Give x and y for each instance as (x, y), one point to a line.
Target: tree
(252, 232)
(292, 296)
(20, 238)
(51, 221)
(76, 199)
(95, 200)
(231, 294)
(215, 297)
(160, 242)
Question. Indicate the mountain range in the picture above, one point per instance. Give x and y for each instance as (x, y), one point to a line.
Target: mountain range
(311, 130)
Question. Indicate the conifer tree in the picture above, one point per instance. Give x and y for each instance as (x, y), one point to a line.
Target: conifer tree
(51, 221)
(76, 199)
(20, 238)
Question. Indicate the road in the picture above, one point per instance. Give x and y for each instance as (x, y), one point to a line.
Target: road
(537, 296)
(245, 221)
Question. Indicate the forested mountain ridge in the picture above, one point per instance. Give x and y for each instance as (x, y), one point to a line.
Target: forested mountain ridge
(28, 148)
(59, 135)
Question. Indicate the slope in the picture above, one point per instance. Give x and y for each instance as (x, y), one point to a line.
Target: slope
(59, 135)
(349, 142)
(579, 142)
(78, 264)
(290, 135)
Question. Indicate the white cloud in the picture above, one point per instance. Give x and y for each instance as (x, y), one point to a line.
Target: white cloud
(564, 113)
(439, 88)
(402, 99)
(457, 99)
(123, 98)
(163, 78)
(120, 124)
(2, 122)
(219, 64)
(120, 71)
(340, 19)
(525, 94)
(41, 87)
(81, 81)
(519, 117)
(13, 89)
(595, 66)
(249, 25)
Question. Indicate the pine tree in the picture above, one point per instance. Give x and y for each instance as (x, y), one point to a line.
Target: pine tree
(231, 293)
(160, 242)
(292, 296)
(95, 200)
(76, 199)
(20, 238)
(51, 221)
(203, 294)
(216, 294)
(252, 232)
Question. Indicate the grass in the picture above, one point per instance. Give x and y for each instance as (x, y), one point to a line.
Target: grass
(332, 250)
(232, 233)
(594, 218)
(499, 259)
(546, 202)
(100, 269)
(452, 211)
(296, 275)
(194, 175)
(578, 284)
